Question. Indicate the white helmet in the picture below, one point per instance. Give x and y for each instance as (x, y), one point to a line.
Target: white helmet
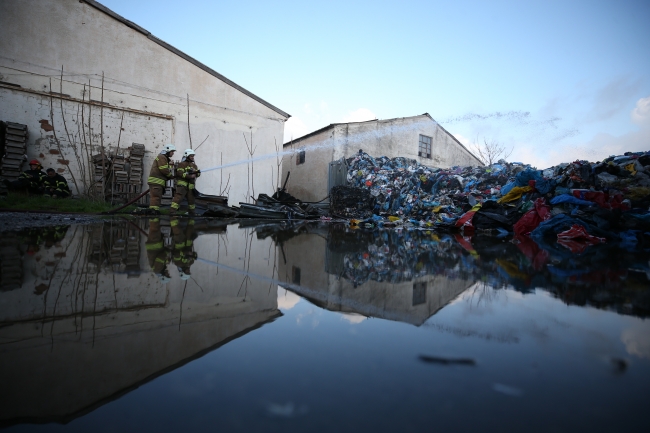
(169, 148)
(184, 276)
(188, 152)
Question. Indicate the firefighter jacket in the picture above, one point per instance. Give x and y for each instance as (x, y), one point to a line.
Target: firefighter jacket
(161, 171)
(58, 183)
(184, 169)
(183, 254)
(35, 178)
(157, 254)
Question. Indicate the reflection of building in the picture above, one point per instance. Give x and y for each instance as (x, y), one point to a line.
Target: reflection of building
(77, 334)
(315, 270)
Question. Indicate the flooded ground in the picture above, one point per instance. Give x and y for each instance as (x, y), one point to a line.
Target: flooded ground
(206, 325)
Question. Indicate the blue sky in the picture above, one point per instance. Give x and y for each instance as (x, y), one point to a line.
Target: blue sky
(570, 79)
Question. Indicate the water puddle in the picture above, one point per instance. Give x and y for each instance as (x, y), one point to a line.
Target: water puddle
(203, 325)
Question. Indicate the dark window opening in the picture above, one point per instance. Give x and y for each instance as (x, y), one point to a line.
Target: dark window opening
(424, 147)
(301, 158)
(295, 275)
(419, 293)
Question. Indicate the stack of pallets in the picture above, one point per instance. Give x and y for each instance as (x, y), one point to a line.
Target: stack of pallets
(135, 173)
(97, 256)
(118, 170)
(125, 249)
(11, 263)
(101, 174)
(120, 178)
(133, 253)
(13, 150)
(116, 254)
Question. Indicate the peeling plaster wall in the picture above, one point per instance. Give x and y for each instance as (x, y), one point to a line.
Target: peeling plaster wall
(146, 81)
(391, 138)
(82, 139)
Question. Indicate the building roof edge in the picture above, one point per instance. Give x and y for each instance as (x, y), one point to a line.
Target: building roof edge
(181, 54)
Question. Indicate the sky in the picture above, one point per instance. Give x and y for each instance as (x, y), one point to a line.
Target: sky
(553, 81)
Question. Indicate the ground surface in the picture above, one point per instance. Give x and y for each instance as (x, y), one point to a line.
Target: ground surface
(10, 221)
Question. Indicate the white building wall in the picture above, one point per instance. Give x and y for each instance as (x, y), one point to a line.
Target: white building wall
(142, 79)
(393, 138)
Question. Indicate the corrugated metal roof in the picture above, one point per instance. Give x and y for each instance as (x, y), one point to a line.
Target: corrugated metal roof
(179, 53)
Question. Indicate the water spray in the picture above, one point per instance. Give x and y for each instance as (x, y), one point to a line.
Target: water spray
(358, 138)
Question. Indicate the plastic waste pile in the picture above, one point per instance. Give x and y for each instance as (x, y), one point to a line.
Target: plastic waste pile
(604, 277)
(396, 256)
(576, 204)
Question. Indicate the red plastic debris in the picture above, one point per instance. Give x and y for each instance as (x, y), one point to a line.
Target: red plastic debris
(576, 239)
(532, 218)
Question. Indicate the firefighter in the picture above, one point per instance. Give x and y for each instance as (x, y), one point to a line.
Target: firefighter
(186, 174)
(183, 254)
(30, 180)
(157, 254)
(161, 172)
(55, 185)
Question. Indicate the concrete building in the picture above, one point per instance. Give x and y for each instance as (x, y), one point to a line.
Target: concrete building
(81, 75)
(313, 161)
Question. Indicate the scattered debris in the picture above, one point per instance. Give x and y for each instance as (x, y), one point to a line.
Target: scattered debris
(446, 361)
(609, 199)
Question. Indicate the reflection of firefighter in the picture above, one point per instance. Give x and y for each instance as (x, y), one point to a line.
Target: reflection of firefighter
(183, 254)
(157, 254)
(53, 235)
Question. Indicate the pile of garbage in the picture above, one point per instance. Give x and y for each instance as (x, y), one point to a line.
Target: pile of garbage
(604, 277)
(268, 207)
(578, 204)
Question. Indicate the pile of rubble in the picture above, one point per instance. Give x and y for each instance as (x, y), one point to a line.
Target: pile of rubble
(607, 201)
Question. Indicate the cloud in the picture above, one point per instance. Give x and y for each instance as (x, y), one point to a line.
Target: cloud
(294, 128)
(286, 299)
(613, 98)
(353, 318)
(599, 147)
(641, 113)
(637, 341)
(360, 115)
(464, 140)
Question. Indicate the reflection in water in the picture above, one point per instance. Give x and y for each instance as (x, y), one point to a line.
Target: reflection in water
(88, 313)
(408, 275)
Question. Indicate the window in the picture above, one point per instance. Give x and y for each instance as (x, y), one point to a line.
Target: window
(300, 159)
(419, 293)
(424, 149)
(295, 275)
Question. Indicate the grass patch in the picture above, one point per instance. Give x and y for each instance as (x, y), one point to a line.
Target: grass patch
(40, 203)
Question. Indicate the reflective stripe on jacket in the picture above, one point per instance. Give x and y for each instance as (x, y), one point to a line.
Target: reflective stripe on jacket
(35, 177)
(57, 182)
(183, 170)
(161, 171)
